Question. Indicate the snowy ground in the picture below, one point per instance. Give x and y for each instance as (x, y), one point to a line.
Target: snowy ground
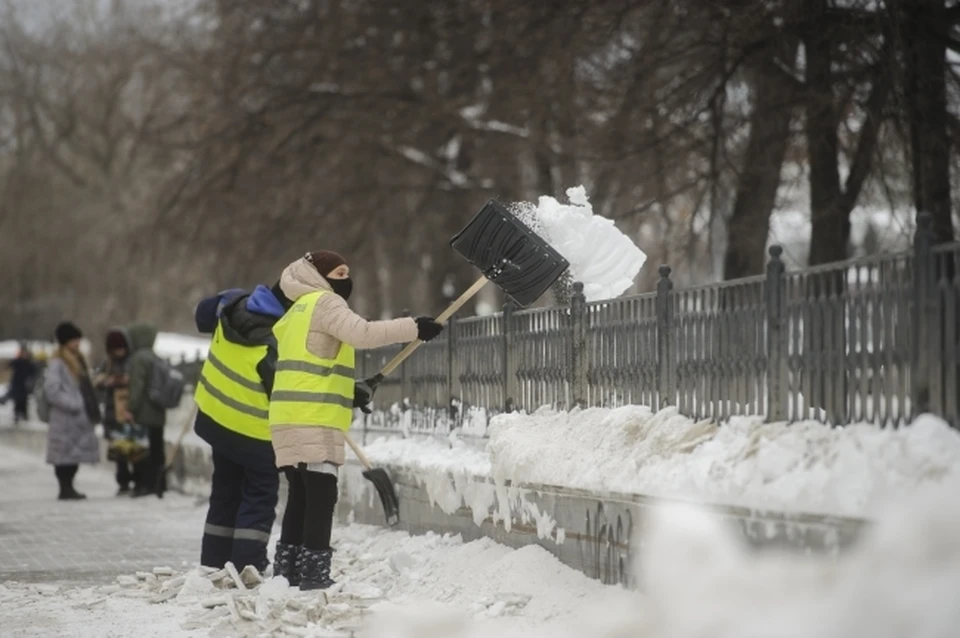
(805, 467)
(697, 583)
(695, 580)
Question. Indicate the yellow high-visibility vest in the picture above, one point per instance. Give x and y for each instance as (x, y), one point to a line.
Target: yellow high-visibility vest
(309, 390)
(230, 391)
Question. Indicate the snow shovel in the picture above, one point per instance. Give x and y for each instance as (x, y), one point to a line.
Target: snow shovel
(381, 481)
(160, 481)
(520, 262)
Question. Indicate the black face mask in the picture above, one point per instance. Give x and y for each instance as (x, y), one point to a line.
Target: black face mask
(342, 287)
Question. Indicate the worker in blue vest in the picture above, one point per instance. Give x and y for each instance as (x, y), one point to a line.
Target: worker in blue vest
(232, 397)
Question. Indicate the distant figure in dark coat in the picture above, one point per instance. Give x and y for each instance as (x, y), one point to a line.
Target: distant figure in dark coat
(74, 411)
(126, 449)
(23, 371)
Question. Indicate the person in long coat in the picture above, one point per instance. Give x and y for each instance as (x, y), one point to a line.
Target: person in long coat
(74, 411)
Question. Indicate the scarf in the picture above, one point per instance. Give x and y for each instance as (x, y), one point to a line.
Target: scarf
(77, 366)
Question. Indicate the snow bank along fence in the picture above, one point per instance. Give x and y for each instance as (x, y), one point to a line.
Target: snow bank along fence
(872, 339)
(588, 531)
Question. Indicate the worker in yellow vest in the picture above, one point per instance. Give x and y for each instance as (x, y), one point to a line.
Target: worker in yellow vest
(314, 394)
(232, 398)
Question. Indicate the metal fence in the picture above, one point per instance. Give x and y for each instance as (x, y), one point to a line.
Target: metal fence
(872, 339)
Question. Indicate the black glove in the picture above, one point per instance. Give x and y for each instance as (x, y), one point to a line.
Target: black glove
(427, 328)
(362, 395)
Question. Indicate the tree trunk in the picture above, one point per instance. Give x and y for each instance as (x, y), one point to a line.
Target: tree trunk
(926, 110)
(830, 234)
(759, 181)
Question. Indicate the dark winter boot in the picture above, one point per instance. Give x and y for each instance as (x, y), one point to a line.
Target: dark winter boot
(67, 493)
(285, 562)
(313, 567)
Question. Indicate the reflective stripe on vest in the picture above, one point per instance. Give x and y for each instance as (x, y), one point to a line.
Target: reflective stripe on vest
(230, 391)
(308, 390)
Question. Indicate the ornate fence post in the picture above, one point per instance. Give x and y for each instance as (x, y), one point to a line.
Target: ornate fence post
(666, 382)
(924, 314)
(404, 387)
(451, 330)
(776, 338)
(577, 356)
(509, 358)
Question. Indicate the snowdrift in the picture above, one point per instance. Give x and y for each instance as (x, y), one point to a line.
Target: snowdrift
(800, 467)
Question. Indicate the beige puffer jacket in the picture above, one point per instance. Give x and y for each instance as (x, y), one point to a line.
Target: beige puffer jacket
(332, 323)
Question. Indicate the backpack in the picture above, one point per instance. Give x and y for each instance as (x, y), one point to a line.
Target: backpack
(165, 387)
(43, 406)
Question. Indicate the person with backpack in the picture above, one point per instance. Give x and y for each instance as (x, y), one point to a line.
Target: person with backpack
(69, 405)
(153, 389)
(126, 439)
(232, 399)
(314, 393)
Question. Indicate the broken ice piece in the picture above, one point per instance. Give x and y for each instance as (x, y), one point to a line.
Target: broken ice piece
(46, 590)
(163, 571)
(127, 580)
(142, 575)
(249, 615)
(194, 586)
(175, 583)
(298, 618)
(336, 609)
(234, 576)
(214, 601)
(204, 620)
(335, 588)
(213, 574)
(163, 597)
(250, 576)
(232, 605)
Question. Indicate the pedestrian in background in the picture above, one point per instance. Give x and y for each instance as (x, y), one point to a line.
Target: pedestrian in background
(144, 411)
(74, 411)
(23, 371)
(126, 447)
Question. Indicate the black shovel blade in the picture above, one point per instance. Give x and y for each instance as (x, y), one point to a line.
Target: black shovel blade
(516, 259)
(388, 495)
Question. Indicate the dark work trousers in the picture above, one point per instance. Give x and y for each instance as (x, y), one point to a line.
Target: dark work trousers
(158, 459)
(311, 499)
(243, 498)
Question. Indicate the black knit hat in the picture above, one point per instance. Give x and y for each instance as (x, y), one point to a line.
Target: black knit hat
(325, 261)
(67, 332)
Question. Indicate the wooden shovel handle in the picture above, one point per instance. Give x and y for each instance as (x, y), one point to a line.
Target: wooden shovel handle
(356, 450)
(183, 433)
(444, 316)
